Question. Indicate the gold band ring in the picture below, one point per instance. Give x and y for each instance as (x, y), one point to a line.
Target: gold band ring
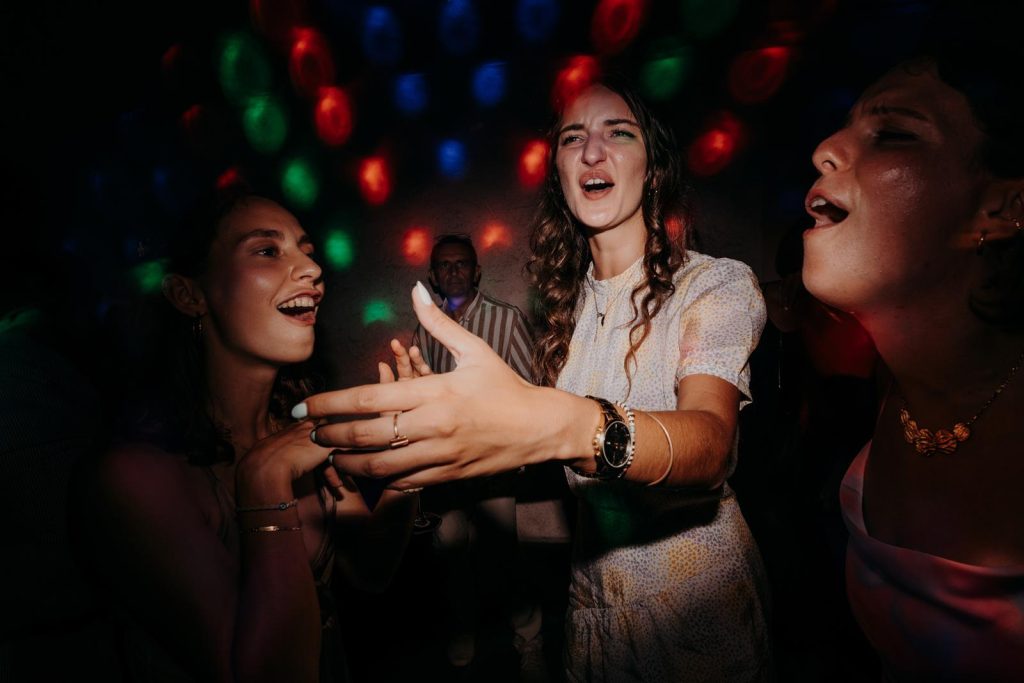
(400, 439)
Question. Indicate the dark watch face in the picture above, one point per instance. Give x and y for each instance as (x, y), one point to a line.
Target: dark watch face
(616, 444)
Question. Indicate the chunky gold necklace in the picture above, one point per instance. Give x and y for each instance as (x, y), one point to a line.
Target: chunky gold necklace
(928, 443)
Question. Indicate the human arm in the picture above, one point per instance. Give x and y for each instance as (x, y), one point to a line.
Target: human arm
(149, 537)
(482, 419)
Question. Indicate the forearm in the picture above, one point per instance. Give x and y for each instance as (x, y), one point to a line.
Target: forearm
(277, 625)
(370, 559)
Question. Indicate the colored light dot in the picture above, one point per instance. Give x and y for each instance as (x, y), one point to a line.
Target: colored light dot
(377, 310)
(243, 68)
(416, 246)
(265, 124)
(664, 73)
(300, 184)
(536, 19)
(451, 158)
(495, 234)
(374, 180)
(149, 276)
(339, 249)
(411, 94)
(533, 163)
(489, 83)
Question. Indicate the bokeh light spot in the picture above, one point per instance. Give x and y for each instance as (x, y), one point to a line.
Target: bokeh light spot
(265, 124)
(300, 184)
(339, 249)
(666, 69)
(310, 64)
(459, 27)
(229, 178)
(717, 146)
(416, 246)
(495, 235)
(243, 67)
(616, 23)
(533, 163)
(382, 36)
(411, 94)
(333, 116)
(489, 83)
(374, 180)
(756, 75)
(575, 77)
(377, 310)
(149, 276)
(451, 158)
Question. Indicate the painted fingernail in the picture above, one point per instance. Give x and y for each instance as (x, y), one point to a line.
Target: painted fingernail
(300, 411)
(422, 293)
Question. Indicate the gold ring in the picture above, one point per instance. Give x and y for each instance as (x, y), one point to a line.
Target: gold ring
(400, 439)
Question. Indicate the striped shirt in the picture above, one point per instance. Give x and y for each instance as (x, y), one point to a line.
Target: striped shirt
(501, 325)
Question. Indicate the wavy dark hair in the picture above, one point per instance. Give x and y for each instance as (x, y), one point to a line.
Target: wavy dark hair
(172, 409)
(561, 256)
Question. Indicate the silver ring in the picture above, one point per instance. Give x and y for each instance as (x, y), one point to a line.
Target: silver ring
(312, 436)
(330, 456)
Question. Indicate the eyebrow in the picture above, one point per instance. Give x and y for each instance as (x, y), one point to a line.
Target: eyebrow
(607, 122)
(886, 110)
(272, 234)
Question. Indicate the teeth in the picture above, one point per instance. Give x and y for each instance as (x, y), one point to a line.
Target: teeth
(595, 181)
(299, 302)
(818, 202)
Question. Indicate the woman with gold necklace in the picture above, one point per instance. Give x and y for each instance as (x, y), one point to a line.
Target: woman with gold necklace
(918, 213)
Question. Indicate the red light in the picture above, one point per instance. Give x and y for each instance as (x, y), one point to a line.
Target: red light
(717, 145)
(333, 116)
(229, 178)
(310, 64)
(756, 75)
(573, 79)
(495, 234)
(374, 180)
(416, 246)
(674, 227)
(533, 163)
(616, 23)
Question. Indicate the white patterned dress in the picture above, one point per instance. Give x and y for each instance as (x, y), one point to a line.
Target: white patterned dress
(667, 584)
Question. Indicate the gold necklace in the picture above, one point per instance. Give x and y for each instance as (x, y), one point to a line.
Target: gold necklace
(928, 443)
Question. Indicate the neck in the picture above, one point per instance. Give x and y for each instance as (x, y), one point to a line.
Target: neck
(239, 395)
(456, 306)
(617, 249)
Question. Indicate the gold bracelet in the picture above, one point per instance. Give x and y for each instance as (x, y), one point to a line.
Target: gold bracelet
(671, 452)
(270, 528)
(270, 508)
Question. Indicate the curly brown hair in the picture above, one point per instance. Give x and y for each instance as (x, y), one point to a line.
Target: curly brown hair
(560, 254)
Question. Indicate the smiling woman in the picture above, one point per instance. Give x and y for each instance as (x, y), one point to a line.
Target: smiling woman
(213, 520)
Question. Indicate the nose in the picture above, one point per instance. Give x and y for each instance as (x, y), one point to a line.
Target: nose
(306, 268)
(832, 153)
(593, 150)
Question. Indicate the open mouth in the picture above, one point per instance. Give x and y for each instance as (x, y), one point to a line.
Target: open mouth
(595, 183)
(825, 212)
(302, 308)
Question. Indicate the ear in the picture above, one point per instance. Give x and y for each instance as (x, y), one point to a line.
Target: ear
(432, 280)
(476, 276)
(1001, 214)
(184, 294)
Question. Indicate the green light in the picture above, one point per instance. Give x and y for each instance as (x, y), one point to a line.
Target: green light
(666, 70)
(149, 276)
(300, 184)
(706, 18)
(339, 250)
(265, 124)
(377, 310)
(244, 70)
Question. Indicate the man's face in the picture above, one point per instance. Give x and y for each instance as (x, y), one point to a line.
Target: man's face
(454, 272)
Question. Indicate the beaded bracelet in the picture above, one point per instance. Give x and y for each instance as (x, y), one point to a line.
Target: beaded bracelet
(276, 507)
(270, 528)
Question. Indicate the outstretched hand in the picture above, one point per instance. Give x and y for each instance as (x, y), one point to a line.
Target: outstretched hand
(478, 420)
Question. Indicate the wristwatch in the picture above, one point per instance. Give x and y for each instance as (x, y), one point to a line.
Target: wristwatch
(613, 443)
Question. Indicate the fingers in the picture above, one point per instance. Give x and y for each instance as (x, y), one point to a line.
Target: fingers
(418, 464)
(455, 338)
(368, 434)
(419, 365)
(385, 374)
(370, 398)
(402, 361)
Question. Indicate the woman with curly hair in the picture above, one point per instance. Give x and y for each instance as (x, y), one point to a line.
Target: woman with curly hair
(643, 367)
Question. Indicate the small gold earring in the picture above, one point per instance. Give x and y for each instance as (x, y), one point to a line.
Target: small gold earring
(981, 241)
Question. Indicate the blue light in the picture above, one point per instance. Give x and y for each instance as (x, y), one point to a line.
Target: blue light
(459, 27)
(411, 94)
(489, 83)
(536, 19)
(451, 158)
(382, 36)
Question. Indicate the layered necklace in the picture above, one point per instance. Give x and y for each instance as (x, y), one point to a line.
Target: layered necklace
(928, 443)
(610, 299)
